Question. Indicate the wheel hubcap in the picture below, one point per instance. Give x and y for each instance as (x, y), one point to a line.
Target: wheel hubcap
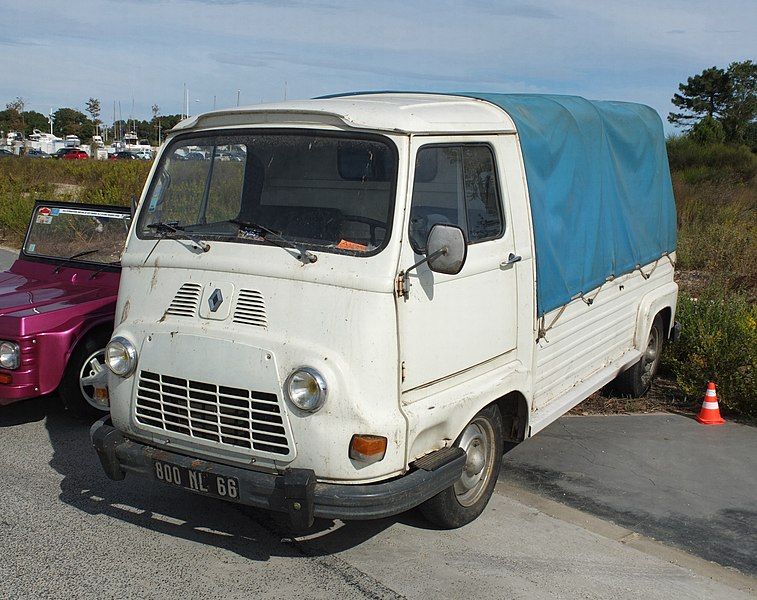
(478, 442)
(651, 356)
(93, 381)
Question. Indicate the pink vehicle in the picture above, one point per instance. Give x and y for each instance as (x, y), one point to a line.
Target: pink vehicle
(57, 304)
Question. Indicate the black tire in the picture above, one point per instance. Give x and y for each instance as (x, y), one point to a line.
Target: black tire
(634, 382)
(460, 504)
(70, 390)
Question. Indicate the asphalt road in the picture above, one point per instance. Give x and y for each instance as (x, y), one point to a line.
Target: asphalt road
(7, 257)
(69, 532)
(663, 475)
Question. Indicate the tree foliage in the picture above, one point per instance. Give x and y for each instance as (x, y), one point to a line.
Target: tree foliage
(728, 96)
(93, 108)
(69, 121)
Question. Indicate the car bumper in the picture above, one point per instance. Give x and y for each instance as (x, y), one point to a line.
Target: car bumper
(295, 491)
(12, 392)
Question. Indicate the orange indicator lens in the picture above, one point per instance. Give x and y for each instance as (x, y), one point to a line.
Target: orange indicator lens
(367, 448)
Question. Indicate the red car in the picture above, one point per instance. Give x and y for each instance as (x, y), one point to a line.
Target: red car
(71, 154)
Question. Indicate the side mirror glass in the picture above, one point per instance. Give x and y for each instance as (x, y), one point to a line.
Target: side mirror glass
(446, 249)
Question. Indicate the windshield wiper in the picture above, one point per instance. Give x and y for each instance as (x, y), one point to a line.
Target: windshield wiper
(174, 228)
(278, 239)
(72, 258)
(108, 265)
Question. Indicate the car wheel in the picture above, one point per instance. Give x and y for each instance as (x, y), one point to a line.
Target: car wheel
(635, 381)
(84, 388)
(461, 503)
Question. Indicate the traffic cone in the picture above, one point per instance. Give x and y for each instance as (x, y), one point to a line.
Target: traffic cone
(709, 414)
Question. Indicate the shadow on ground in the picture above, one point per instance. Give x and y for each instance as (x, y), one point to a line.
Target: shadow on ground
(250, 533)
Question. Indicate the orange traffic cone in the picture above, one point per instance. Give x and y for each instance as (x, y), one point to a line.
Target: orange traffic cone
(709, 414)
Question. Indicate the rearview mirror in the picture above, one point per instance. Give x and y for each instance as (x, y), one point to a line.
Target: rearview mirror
(446, 249)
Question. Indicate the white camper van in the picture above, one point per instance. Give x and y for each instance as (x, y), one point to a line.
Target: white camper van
(357, 313)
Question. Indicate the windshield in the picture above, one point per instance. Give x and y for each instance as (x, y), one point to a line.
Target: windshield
(96, 234)
(331, 192)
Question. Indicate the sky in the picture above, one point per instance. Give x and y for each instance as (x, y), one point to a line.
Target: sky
(142, 52)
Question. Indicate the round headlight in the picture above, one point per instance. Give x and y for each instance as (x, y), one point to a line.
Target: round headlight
(10, 356)
(306, 389)
(121, 356)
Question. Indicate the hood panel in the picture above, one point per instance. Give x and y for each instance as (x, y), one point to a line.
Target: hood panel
(30, 288)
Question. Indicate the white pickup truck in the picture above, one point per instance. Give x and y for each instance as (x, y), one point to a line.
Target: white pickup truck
(346, 307)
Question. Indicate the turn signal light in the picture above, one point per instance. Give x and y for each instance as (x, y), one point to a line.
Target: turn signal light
(367, 448)
(5, 378)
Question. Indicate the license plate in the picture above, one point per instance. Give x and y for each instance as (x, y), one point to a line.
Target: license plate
(203, 482)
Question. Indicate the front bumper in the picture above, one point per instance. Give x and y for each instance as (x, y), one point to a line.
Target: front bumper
(295, 491)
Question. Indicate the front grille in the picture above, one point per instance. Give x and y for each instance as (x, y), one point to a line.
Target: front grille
(186, 301)
(250, 309)
(226, 415)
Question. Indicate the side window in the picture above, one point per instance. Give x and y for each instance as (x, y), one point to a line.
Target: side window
(455, 185)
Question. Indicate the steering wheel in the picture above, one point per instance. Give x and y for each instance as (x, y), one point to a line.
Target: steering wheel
(373, 224)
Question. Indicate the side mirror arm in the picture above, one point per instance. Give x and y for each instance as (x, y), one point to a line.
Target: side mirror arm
(401, 287)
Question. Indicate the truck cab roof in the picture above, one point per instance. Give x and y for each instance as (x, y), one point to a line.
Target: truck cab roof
(390, 112)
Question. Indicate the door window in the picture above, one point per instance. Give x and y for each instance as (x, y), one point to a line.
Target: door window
(455, 185)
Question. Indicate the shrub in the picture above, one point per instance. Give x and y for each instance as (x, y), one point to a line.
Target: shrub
(718, 343)
(697, 162)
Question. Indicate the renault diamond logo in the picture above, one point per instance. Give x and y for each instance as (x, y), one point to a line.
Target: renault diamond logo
(215, 300)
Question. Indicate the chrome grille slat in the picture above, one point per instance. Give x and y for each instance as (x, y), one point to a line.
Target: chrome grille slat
(229, 416)
(186, 301)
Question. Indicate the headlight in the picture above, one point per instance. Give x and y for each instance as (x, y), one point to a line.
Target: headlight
(10, 355)
(306, 389)
(121, 356)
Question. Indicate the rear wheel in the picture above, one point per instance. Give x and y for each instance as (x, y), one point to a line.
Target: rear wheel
(482, 440)
(84, 388)
(635, 381)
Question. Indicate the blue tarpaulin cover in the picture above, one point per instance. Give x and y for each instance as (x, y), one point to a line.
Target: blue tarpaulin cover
(599, 183)
(600, 189)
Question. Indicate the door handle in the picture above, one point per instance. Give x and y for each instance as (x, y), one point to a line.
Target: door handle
(511, 260)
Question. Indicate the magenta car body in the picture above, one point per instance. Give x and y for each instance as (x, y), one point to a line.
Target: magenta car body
(52, 302)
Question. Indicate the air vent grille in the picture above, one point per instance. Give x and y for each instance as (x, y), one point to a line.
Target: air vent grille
(250, 309)
(186, 301)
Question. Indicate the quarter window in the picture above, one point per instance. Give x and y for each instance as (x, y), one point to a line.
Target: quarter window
(455, 185)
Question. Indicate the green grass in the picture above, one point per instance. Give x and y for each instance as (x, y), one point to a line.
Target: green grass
(24, 180)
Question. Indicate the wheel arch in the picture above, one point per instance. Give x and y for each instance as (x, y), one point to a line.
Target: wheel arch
(661, 301)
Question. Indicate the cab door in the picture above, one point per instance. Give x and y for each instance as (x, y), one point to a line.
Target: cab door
(450, 323)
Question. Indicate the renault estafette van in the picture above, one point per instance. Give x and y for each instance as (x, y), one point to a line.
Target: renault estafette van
(354, 317)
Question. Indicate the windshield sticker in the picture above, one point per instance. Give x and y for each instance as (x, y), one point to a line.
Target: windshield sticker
(30, 248)
(93, 213)
(44, 219)
(56, 212)
(44, 211)
(250, 234)
(347, 245)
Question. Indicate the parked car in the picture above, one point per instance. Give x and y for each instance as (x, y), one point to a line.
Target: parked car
(57, 303)
(37, 153)
(4, 151)
(123, 155)
(143, 155)
(359, 320)
(71, 154)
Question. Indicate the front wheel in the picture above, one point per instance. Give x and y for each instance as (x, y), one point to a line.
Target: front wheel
(458, 505)
(84, 388)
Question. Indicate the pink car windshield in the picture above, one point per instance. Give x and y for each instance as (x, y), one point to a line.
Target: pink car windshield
(92, 235)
